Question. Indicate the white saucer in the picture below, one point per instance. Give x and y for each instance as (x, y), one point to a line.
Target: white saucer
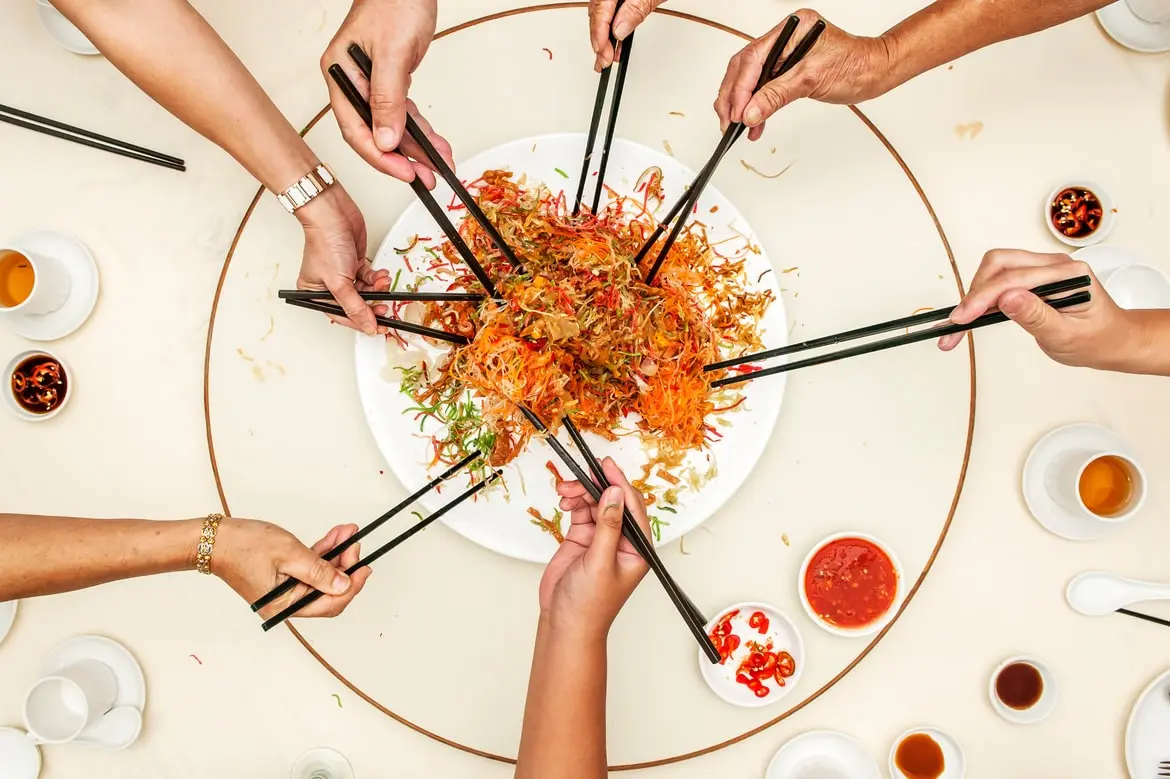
(824, 754)
(19, 756)
(1121, 25)
(1049, 696)
(64, 31)
(1145, 733)
(82, 297)
(1128, 280)
(7, 617)
(127, 672)
(954, 762)
(1047, 511)
(720, 677)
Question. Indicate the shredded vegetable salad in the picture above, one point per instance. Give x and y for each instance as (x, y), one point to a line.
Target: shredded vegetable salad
(579, 334)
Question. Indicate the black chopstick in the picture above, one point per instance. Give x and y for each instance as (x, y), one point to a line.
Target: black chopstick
(386, 297)
(992, 318)
(1146, 617)
(290, 583)
(691, 197)
(362, 60)
(362, 106)
(66, 132)
(619, 86)
(681, 602)
(934, 315)
(595, 120)
(371, 558)
(394, 324)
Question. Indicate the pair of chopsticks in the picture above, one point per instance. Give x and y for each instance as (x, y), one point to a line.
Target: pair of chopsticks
(315, 301)
(694, 619)
(369, 559)
(68, 132)
(623, 62)
(1044, 291)
(1145, 617)
(681, 211)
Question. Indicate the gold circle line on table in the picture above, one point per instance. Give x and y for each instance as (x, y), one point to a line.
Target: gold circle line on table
(962, 476)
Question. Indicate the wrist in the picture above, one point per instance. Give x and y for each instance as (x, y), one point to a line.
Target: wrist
(1142, 342)
(572, 629)
(327, 208)
(891, 66)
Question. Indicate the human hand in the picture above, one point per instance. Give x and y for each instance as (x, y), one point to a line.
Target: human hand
(840, 68)
(1097, 334)
(335, 258)
(252, 557)
(395, 34)
(595, 569)
(602, 21)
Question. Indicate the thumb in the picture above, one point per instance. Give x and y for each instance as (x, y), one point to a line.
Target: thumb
(389, 83)
(356, 309)
(630, 15)
(609, 526)
(1030, 313)
(771, 98)
(307, 567)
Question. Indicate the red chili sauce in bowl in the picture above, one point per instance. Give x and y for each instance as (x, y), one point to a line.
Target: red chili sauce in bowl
(850, 583)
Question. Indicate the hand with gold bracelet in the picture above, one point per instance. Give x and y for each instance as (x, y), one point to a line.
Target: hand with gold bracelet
(42, 555)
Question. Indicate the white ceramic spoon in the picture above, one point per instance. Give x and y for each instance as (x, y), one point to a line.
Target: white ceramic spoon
(116, 730)
(1095, 593)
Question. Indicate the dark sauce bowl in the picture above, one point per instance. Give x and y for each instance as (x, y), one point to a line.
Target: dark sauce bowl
(37, 385)
(1079, 212)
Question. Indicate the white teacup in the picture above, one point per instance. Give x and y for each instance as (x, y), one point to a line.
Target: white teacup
(1063, 480)
(59, 708)
(51, 282)
(1152, 11)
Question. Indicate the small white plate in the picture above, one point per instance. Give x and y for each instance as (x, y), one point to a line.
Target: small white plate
(7, 617)
(720, 677)
(1145, 733)
(877, 624)
(10, 399)
(1049, 697)
(64, 31)
(954, 763)
(1128, 280)
(127, 672)
(1121, 25)
(19, 756)
(1108, 215)
(82, 297)
(1047, 511)
(823, 754)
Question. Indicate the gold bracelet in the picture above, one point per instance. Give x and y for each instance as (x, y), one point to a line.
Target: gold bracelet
(207, 543)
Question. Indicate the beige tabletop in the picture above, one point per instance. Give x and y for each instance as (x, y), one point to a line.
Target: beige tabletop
(876, 445)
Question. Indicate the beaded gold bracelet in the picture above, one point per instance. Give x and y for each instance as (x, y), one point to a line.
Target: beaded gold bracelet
(207, 543)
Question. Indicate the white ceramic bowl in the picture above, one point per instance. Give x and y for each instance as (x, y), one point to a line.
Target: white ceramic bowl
(64, 31)
(1108, 217)
(721, 677)
(10, 399)
(1043, 707)
(877, 624)
(1138, 286)
(955, 763)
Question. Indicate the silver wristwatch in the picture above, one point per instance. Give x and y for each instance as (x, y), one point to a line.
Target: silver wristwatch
(301, 193)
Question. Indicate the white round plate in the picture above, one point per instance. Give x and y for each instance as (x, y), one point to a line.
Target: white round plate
(823, 754)
(877, 624)
(1049, 697)
(954, 762)
(64, 31)
(720, 677)
(498, 521)
(1047, 511)
(1145, 732)
(7, 617)
(19, 756)
(82, 298)
(127, 672)
(1131, 32)
(1138, 286)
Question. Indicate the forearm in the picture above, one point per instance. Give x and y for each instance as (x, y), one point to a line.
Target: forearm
(172, 54)
(564, 716)
(45, 555)
(948, 29)
(1148, 350)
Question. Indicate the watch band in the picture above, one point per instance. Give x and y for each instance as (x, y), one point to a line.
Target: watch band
(311, 184)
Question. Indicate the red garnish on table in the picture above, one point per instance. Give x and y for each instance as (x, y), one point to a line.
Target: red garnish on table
(850, 583)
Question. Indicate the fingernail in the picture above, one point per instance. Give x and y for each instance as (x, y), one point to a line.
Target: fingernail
(1011, 303)
(598, 66)
(386, 139)
(621, 30)
(612, 501)
(340, 582)
(752, 116)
